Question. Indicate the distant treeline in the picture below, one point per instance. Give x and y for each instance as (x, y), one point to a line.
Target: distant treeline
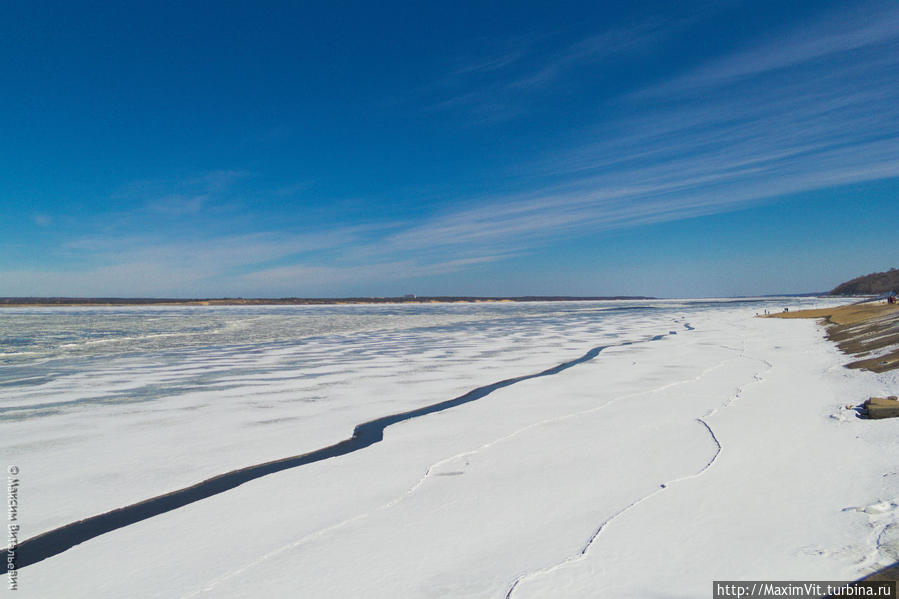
(239, 301)
(872, 284)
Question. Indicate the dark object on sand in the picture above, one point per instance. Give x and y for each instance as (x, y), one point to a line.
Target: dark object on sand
(882, 407)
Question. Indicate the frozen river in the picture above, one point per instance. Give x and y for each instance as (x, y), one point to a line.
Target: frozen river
(544, 449)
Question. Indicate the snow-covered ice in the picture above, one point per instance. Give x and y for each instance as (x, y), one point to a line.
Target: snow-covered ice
(700, 444)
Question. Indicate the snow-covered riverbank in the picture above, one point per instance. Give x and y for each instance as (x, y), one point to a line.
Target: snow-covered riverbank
(723, 451)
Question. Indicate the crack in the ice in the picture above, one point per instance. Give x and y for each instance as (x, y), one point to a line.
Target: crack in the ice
(582, 553)
(65, 537)
(429, 473)
(757, 377)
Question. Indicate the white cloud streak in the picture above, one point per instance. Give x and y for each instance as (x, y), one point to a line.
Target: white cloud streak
(812, 109)
(498, 87)
(183, 196)
(728, 135)
(834, 34)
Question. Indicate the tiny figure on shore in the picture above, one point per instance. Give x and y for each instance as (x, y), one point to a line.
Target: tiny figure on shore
(892, 298)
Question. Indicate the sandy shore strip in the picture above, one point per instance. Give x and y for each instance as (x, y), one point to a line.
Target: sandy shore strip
(868, 331)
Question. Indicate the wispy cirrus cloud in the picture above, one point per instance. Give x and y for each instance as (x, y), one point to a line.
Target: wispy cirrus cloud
(42, 220)
(616, 43)
(318, 278)
(727, 135)
(501, 84)
(180, 196)
(152, 264)
(830, 35)
(808, 109)
(282, 264)
(219, 254)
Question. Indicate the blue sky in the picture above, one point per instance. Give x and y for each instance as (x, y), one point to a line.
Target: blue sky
(268, 149)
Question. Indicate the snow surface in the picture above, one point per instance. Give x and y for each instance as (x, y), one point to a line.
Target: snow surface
(724, 451)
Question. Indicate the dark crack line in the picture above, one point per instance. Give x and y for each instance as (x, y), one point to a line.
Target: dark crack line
(54, 542)
(621, 512)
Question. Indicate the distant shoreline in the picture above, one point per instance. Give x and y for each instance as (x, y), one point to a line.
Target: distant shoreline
(13, 302)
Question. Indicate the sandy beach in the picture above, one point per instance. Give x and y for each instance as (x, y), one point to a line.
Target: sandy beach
(868, 331)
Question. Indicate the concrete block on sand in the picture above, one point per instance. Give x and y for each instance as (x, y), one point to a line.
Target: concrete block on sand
(882, 407)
